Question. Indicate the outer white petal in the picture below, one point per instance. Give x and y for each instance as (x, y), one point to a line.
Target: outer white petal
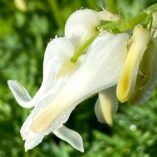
(57, 51)
(106, 105)
(100, 70)
(82, 24)
(33, 139)
(70, 137)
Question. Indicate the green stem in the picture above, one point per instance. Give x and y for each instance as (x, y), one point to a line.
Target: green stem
(127, 25)
(82, 49)
(110, 5)
(124, 25)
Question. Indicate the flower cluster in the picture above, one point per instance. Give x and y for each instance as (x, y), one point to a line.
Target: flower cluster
(85, 62)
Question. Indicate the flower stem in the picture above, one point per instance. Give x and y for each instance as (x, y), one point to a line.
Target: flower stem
(127, 25)
(82, 49)
(124, 25)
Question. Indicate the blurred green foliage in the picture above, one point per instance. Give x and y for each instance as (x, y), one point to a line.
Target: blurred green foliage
(23, 38)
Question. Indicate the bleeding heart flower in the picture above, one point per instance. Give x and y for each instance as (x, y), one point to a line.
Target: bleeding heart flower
(66, 83)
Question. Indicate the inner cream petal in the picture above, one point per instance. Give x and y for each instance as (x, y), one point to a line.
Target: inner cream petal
(106, 105)
(128, 76)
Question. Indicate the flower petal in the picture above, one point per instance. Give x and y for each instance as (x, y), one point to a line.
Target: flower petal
(33, 139)
(57, 52)
(106, 104)
(147, 78)
(20, 94)
(82, 24)
(70, 137)
(100, 70)
(127, 81)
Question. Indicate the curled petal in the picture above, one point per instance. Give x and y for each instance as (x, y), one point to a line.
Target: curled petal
(70, 137)
(127, 80)
(105, 106)
(100, 70)
(20, 94)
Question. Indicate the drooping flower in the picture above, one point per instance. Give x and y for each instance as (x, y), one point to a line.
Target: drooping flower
(55, 54)
(99, 70)
(61, 91)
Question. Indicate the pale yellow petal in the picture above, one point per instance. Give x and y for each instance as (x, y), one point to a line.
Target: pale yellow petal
(106, 105)
(127, 80)
(147, 77)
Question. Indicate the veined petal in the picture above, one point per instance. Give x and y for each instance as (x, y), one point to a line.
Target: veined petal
(70, 137)
(100, 70)
(127, 81)
(57, 52)
(147, 78)
(82, 24)
(106, 105)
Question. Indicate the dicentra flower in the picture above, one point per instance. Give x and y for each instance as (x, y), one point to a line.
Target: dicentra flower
(69, 78)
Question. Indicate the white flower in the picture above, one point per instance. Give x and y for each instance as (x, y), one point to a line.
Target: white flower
(66, 85)
(57, 97)
(55, 55)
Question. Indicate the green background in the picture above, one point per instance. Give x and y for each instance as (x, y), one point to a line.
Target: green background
(23, 38)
